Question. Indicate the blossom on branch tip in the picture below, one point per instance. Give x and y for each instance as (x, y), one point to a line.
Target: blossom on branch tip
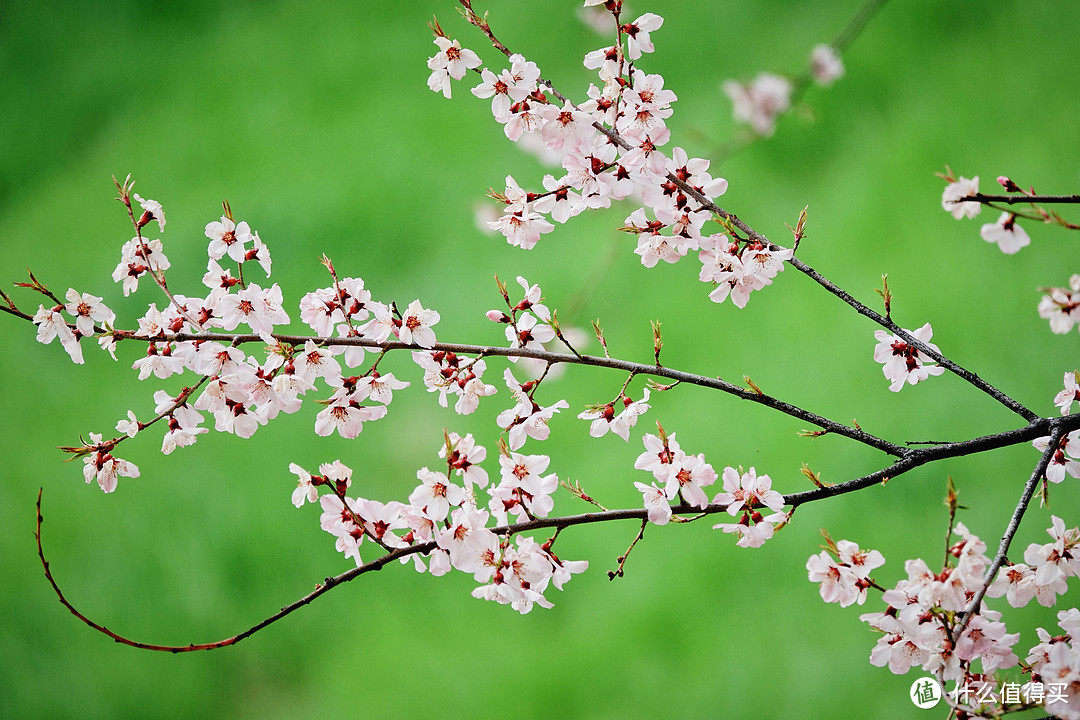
(951, 197)
(151, 211)
(101, 465)
(904, 363)
(452, 61)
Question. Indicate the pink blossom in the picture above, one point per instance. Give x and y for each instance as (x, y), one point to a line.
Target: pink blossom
(452, 61)
(416, 325)
(1069, 395)
(826, 65)
(761, 102)
(305, 491)
(656, 503)
(1009, 236)
(87, 310)
(687, 476)
(1062, 306)
(228, 238)
(952, 202)
(904, 363)
(151, 211)
(637, 34)
(1066, 458)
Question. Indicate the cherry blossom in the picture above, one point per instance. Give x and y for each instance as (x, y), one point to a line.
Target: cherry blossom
(1066, 458)
(656, 502)
(753, 529)
(435, 495)
(637, 34)
(381, 519)
(337, 519)
(951, 198)
(687, 476)
(137, 257)
(1062, 306)
(452, 61)
(51, 324)
(904, 363)
(228, 238)
(1070, 394)
(152, 211)
(305, 491)
(87, 310)
(523, 491)
(844, 580)
(1009, 236)
(660, 452)
(746, 491)
(129, 427)
(416, 325)
(315, 362)
(604, 418)
(464, 458)
(347, 417)
(161, 364)
(761, 102)
(826, 65)
(99, 464)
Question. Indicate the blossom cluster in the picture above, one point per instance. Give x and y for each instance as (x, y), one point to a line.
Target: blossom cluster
(447, 522)
(240, 390)
(611, 147)
(678, 474)
(921, 624)
(1008, 236)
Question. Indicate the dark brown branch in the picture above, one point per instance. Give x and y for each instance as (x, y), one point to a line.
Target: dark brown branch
(1057, 426)
(1037, 475)
(1013, 199)
(714, 383)
(862, 309)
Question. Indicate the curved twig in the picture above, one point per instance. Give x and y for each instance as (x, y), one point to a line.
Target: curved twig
(915, 458)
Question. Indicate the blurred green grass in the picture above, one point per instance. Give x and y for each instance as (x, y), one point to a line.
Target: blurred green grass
(318, 128)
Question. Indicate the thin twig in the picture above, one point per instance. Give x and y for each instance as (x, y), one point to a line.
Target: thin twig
(1058, 426)
(1013, 199)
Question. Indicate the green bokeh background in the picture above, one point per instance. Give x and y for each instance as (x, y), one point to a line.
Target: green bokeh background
(317, 126)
